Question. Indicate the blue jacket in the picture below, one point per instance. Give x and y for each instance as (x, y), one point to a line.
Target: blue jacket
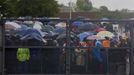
(96, 53)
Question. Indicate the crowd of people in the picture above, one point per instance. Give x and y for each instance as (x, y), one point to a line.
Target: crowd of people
(95, 36)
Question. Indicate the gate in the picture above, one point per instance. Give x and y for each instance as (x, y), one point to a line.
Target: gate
(62, 52)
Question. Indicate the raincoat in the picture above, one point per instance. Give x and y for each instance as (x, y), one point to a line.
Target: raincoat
(96, 51)
(23, 54)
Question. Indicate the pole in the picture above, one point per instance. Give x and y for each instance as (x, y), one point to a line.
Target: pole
(70, 13)
(132, 49)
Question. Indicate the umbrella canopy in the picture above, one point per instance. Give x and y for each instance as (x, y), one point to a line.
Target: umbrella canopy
(61, 36)
(104, 18)
(48, 28)
(33, 36)
(37, 25)
(100, 29)
(59, 30)
(60, 25)
(12, 25)
(84, 35)
(104, 34)
(87, 27)
(65, 36)
(93, 37)
(28, 22)
(77, 23)
(51, 33)
(29, 31)
(52, 23)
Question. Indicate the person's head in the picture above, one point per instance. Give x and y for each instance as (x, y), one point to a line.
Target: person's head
(107, 38)
(120, 37)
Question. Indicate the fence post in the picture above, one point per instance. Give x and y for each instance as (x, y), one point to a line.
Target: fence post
(1, 47)
(68, 48)
(132, 51)
(2, 51)
(107, 54)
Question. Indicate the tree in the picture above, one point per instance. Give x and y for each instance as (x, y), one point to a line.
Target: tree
(37, 8)
(3, 8)
(11, 4)
(103, 9)
(104, 12)
(124, 10)
(84, 5)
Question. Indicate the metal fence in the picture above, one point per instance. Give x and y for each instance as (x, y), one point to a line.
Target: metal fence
(61, 59)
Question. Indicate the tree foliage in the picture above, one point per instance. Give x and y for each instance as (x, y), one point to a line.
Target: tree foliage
(84, 5)
(30, 7)
(103, 9)
(3, 8)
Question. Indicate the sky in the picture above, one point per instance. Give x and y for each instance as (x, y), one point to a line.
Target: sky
(111, 4)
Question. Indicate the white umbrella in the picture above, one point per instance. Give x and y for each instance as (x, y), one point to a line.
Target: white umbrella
(104, 34)
(61, 25)
(37, 25)
(12, 25)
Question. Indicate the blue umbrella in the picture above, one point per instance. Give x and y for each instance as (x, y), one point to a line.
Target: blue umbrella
(77, 23)
(84, 35)
(32, 36)
(47, 28)
(59, 30)
(28, 31)
(104, 18)
(52, 23)
(87, 26)
(23, 26)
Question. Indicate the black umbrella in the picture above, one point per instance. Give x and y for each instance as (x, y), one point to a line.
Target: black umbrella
(48, 28)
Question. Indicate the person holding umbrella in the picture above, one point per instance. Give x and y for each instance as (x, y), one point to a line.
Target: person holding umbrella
(106, 42)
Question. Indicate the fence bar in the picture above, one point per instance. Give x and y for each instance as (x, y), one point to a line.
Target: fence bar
(132, 50)
(3, 47)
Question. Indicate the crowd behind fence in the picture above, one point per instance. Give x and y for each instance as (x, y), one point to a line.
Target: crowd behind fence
(67, 46)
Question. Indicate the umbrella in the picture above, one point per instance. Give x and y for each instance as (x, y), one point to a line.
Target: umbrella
(51, 33)
(93, 37)
(104, 19)
(62, 36)
(77, 23)
(48, 28)
(87, 26)
(84, 35)
(12, 25)
(33, 36)
(37, 25)
(29, 31)
(28, 22)
(59, 30)
(104, 34)
(60, 25)
(100, 29)
(52, 23)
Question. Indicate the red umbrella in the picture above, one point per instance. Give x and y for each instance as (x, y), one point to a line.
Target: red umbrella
(100, 29)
